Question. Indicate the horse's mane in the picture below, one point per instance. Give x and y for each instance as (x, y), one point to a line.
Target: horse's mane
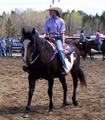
(43, 47)
(38, 41)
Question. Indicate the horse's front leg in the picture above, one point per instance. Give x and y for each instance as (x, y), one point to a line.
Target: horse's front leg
(32, 82)
(103, 56)
(50, 93)
(91, 54)
(64, 86)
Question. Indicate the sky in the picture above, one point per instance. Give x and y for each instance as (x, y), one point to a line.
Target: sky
(90, 7)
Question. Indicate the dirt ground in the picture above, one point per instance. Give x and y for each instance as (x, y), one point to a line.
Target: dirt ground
(14, 94)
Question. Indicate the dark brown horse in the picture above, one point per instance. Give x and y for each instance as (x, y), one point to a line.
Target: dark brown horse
(80, 46)
(89, 45)
(43, 62)
(93, 45)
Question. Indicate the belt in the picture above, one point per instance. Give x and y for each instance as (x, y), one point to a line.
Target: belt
(56, 36)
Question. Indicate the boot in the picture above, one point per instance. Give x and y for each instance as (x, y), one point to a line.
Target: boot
(69, 65)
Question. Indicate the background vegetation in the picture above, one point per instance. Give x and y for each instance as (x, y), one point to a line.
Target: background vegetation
(12, 23)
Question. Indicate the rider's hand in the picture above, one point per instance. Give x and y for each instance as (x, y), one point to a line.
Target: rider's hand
(63, 45)
(44, 36)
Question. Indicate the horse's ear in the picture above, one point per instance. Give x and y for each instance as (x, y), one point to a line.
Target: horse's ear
(23, 31)
(33, 31)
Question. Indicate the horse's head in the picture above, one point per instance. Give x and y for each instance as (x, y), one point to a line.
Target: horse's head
(29, 44)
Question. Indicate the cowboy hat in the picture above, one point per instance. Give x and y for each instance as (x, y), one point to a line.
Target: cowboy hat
(55, 8)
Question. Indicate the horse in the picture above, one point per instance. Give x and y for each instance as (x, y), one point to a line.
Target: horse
(43, 63)
(93, 45)
(79, 45)
(89, 45)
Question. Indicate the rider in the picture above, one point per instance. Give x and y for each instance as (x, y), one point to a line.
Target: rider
(55, 27)
(83, 39)
(98, 40)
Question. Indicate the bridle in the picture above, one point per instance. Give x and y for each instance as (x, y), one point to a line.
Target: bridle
(34, 59)
(46, 63)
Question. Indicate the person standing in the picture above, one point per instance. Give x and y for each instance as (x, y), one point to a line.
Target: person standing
(8, 47)
(0, 49)
(98, 40)
(3, 46)
(55, 27)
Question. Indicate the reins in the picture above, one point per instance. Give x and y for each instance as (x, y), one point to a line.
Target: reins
(33, 61)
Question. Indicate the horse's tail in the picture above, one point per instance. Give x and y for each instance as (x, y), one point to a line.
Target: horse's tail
(81, 77)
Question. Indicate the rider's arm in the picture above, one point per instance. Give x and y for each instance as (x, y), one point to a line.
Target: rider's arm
(45, 30)
(62, 32)
(85, 38)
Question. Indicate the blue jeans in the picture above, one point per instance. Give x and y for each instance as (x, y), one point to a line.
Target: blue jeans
(0, 52)
(60, 51)
(8, 51)
(99, 43)
(4, 51)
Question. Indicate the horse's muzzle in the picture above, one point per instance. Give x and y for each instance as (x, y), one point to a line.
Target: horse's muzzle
(26, 68)
(26, 61)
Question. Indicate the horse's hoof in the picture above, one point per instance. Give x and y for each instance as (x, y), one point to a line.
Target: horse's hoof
(64, 105)
(50, 112)
(26, 115)
(25, 68)
(75, 103)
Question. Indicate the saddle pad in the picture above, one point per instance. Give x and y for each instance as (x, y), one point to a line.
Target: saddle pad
(68, 48)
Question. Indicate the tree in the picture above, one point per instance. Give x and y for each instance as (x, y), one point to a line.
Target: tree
(12, 24)
(34, 19)
(9, 27)
(73, 22)
(102, 19)
(2, 25)
(17, 21)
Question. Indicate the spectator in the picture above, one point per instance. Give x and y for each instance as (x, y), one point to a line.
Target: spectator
(3, 46)
(8, 47)
(0, 49)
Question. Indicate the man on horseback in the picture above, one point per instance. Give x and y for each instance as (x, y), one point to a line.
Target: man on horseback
(83, 39)
(55, 27)
(98, 40)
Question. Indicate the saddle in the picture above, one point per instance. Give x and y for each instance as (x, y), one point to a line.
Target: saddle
(67, 49)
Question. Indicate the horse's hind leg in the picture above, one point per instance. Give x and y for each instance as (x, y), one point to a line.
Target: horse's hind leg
(75, 84)
(31, 90)
(50, 93)
(64, 86)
